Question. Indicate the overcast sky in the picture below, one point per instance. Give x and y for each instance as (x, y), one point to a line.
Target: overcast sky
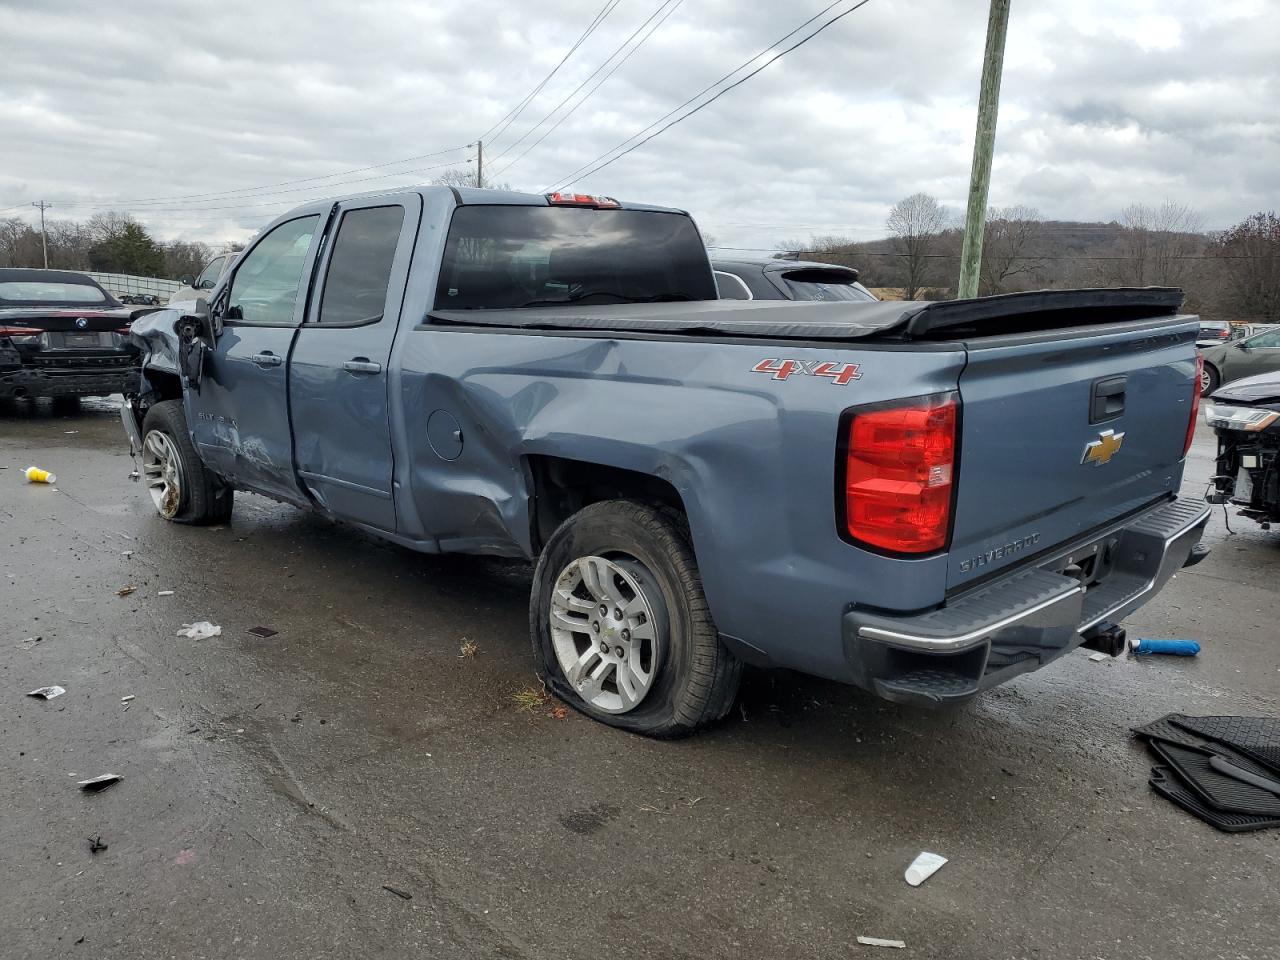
(1105, 102)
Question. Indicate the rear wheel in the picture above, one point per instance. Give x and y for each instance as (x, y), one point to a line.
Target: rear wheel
(1210, 379)
(621, 629)
(181, 487)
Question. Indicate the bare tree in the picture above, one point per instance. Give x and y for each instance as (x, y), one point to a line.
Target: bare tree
(1250, 253)
(1008, 244)
(462, 177)
(109, 225)
(1156, 244)
(914, 225)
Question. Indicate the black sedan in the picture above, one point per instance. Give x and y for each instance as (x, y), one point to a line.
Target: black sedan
(63, 335)
(769, 279)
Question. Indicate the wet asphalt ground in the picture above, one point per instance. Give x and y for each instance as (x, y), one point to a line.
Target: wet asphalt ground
(274, 788)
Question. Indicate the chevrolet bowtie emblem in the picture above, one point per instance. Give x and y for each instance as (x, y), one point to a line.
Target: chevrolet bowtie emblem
(1100, 451)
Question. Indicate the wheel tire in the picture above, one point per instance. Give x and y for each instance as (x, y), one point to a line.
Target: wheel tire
(1210, 380)
(695, 678)
(203, 496)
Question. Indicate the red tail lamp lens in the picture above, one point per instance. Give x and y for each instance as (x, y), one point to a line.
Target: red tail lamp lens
(899, 475)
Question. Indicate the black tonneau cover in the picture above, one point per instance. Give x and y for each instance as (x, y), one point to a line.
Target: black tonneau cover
(945, 319)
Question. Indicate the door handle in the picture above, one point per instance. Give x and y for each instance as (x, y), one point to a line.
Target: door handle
(361, 365)
(267, 359)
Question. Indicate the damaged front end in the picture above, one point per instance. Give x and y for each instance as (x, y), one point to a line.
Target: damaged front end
(172, 343)
(1248, 462)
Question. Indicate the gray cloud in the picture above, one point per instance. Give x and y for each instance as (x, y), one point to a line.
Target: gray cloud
(1104, 104)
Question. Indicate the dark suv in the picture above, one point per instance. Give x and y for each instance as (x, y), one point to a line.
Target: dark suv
(769, 279)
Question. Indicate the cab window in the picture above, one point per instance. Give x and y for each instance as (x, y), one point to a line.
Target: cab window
(355, 287)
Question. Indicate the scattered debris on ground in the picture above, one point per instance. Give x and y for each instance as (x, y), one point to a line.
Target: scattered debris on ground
(165, 593)
(530, 699)
(125, 591)
(923, 867)
(36, 475)
(1099, 657)
(263, 632)
(96, 844)
(468, 648)
(30, 642)
(127, 699)
(877, 942)
(559, 713)
(402, 894)
(48, 693)
(1224, 770)
(200, 630)
(94, 784)
(126, 553)
(1176, 648)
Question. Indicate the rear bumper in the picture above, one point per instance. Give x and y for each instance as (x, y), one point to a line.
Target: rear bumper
(1026, 619)
(69, 380)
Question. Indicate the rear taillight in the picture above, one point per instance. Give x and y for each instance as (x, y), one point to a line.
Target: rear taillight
(20, 331)
(1195, 404)
(899, 473)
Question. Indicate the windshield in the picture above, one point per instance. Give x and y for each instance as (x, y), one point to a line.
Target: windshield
(823, 285)
(50, 291)
(500, 257)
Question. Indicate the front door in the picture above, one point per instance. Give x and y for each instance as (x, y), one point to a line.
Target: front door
(239, 417)
(338, 371)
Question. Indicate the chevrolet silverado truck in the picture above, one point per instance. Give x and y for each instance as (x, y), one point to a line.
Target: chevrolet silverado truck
(922, 499)
(63, 336)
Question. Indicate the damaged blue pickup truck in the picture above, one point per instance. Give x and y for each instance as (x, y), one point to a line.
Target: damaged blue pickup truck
(922, 499)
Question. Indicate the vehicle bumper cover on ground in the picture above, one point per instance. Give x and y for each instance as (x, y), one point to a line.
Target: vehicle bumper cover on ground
(1024, 620)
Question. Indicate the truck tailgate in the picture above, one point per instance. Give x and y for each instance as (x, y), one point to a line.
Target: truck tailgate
(1064, 432)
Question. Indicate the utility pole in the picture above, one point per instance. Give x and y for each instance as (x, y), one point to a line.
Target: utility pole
(44, 244)
(479, 163)
(984, 141)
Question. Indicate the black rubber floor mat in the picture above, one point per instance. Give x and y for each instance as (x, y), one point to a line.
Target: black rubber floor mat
(1257, 737)
(1166, 729)
(1223, 793)
(1165, 783)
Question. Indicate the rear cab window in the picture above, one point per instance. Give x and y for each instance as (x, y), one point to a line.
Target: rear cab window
(503, 257)
(355, 287)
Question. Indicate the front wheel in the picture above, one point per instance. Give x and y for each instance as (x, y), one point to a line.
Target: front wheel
(1210, 379)
(620, 626)
(181, 487)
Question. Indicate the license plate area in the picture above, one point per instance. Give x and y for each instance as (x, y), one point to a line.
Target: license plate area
(73, 341)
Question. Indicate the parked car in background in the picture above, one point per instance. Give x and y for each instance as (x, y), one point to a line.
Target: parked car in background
(770, 279)
(193, 288)
(924, 499)
(1245, 415)
(1214, 332)
(1259, 353)
(63, 335)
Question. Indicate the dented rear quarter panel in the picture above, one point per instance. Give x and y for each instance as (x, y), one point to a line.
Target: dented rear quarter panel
(752, 458)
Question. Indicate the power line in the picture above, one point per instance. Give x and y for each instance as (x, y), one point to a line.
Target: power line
(269, 203)
(227, 194)
(571, 110)
(575, 175)
(519, 108)
(956, 256)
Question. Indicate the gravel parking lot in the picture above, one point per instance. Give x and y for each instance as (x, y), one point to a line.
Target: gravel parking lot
(392, 735)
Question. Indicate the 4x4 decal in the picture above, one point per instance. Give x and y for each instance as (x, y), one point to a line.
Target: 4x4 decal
(840, 373)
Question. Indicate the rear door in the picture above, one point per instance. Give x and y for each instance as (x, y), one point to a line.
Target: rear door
(239, 416)
(338, 370)
(1065, 432)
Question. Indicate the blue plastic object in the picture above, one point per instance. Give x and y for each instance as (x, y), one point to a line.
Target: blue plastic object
(1177, 648)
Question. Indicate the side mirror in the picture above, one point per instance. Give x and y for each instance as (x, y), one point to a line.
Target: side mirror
(208, 285)
(186, 280)
(1242, 345)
